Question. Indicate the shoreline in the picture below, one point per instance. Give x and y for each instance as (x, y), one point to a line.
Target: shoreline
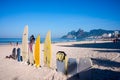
(54, 40)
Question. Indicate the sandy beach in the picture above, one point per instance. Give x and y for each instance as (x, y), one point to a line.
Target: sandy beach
(105, 58)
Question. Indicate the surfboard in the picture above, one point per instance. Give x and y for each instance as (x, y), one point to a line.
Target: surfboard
(47, 50)
(84, 64)
(62, 62)
(18, 55)
(25, 44)
(37, 52)
(72, 66)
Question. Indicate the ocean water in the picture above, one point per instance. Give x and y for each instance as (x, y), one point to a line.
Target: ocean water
(19, 40)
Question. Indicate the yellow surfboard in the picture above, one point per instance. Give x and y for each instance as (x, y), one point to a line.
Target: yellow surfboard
(37, 52)
(47, 50)
(25, 44)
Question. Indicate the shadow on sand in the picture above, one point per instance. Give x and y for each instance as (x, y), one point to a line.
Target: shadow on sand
(99, 74)
(105, 62)
(96, 74)
(107, 45)
(108, 51)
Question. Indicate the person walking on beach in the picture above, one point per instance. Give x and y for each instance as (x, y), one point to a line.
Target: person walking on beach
(30, 53)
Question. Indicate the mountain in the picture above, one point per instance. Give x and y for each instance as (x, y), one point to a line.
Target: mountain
(76, 34)
(100, 32)
(79, 34)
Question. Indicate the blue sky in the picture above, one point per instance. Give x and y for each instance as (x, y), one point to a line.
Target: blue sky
(58, 16)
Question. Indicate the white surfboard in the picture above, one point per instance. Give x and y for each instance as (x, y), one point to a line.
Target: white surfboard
(83, 68)
(25, 44)
(84, 64)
